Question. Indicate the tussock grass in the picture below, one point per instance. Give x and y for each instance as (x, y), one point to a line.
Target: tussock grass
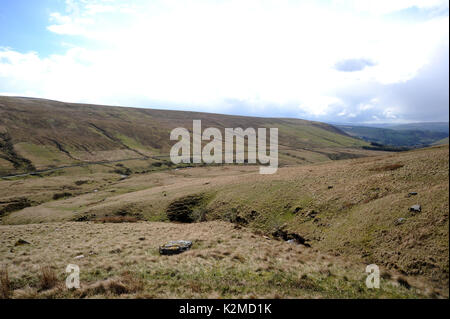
(47, 278)
(5, 284)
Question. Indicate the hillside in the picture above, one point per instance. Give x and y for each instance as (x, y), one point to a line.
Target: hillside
(38, 134)
(440, 142)
(351, 212)
(408, 136)
(113, 198)
(431, 126)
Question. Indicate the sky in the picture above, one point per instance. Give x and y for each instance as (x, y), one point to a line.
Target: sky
(338, 61)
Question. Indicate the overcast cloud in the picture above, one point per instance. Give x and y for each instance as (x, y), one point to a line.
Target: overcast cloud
(341, 61)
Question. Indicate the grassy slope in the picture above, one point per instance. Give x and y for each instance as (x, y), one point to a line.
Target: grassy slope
(440, 142)
(51, 133)
(395, 137)
(434, 127)
(355, 219)
(122, 260)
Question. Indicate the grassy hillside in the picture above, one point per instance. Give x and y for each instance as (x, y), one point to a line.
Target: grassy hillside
(41, 134)
(352, 212)
(432, 127)
(441, 142)
(395, 137)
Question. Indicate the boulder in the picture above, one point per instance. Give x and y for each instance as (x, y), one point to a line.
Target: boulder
(415, 209)
(175, 247)
(21, 242)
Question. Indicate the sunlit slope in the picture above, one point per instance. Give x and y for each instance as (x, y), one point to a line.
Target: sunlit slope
(38, 134)
(359, 208)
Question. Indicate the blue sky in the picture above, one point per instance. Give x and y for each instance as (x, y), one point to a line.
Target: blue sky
(341, 61)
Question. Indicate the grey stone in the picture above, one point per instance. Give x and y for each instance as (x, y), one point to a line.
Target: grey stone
(175, 247)
(21, 242)
(415, 209)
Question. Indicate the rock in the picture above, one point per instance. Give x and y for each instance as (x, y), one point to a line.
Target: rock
(311, 214)
(415, 209)
(400, 221)
(175, 247)
(286, 236)
(330, 187)
(297, 209)
(79, 257)
(412, 194)
(141, 238)
(21, 242)
(115, 251)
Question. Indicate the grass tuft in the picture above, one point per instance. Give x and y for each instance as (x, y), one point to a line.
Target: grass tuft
(5, 284)
(47, 278)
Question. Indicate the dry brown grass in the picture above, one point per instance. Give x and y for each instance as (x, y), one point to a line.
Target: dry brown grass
(117, 219)
(355, 221)
(224, 262)
(48, 278)
(5, 284)
(389, 167)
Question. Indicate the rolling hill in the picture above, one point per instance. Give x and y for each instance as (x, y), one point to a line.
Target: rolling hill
(350, 213)
(407, 136)
(308, 231)
(37, 134)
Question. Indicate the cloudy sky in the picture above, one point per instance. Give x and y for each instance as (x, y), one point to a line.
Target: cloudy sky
(341, 61)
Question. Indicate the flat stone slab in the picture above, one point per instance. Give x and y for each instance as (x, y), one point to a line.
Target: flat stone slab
(175, 247)
(415, 208)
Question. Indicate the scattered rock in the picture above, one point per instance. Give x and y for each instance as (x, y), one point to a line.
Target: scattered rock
(115, 251)
(311, 214)
(21, 242)
(175, 247)
(81, 218)
(286, 236)
(415, 209)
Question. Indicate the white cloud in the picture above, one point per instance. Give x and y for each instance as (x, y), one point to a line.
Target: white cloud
(203, 53)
